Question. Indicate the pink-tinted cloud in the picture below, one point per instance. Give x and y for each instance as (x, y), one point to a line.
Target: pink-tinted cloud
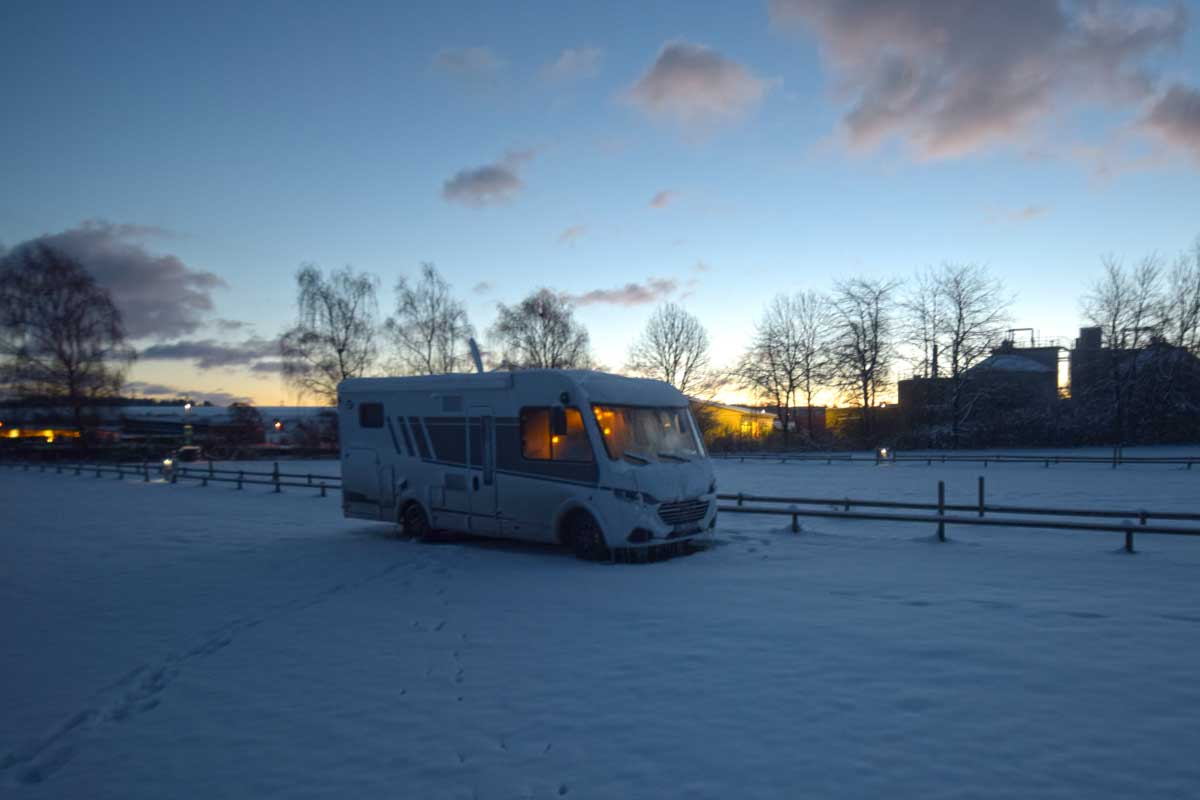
(572, 64)
(631, 294)
(491, 184)
(1176, 119)
(951, 78)
(695, 86)
(663, 198)
(571, 234)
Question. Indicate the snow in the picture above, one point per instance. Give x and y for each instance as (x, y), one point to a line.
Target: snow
(1012, 363)
(180, 641)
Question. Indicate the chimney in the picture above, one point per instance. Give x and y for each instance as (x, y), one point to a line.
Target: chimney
(1089, 339)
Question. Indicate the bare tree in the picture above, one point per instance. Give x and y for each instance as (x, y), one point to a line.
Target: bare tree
(429, 329)
(63, 339)
(786, 357)
(814, 323)
(540, 332)
(863, 348)
(973, 312)
(674, 348)
(1181, 311)
(1127, 305)
(922, 323)
(334, 337)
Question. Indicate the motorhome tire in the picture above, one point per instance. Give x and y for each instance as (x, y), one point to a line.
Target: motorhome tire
(585, 537)
(416, 524)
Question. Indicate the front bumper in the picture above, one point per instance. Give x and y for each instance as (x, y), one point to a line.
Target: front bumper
(654, 524)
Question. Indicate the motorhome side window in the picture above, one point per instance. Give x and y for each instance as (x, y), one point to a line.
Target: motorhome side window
(370, 415)
(540, 443)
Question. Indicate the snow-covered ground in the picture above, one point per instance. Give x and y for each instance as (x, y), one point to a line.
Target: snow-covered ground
(180, 641)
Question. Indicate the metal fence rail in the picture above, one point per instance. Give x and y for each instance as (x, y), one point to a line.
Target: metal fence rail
(958, 458)
(276, 479)
(1010, 516)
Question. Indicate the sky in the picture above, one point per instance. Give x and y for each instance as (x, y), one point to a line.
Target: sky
(623, 153)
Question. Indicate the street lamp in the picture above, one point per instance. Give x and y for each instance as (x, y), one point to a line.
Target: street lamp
(187, 427)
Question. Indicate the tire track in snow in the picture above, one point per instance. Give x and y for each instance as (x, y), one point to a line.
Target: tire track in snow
(139, 690)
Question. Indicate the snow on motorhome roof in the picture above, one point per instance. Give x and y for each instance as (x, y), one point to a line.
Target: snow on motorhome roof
(602, 387)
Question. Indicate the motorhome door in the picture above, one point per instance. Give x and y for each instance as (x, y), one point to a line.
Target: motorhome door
(481, 446)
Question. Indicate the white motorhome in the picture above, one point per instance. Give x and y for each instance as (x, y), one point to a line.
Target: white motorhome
(592, 460)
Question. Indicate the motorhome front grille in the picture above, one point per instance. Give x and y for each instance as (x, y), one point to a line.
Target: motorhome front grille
(683, 511)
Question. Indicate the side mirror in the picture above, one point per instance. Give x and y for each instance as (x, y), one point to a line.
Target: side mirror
(558, 421)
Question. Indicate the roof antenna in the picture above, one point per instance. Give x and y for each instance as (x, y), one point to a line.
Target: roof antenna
(475, 357)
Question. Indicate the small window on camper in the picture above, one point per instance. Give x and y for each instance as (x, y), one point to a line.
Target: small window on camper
(540, 443)
(370, 415)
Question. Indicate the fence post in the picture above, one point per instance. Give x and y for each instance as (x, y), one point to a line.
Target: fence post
(981, 504)
(322, 488)
(1129, 541)
(795, 523)
(739, 498)
(941, 510)
(97, 472)
(309, 476)
(210, 468)
(239, 486)
(204, 480)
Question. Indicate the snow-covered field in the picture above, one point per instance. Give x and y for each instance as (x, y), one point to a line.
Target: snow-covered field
(180, 641)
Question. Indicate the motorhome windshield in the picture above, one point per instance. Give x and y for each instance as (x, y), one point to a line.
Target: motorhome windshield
(643, 434)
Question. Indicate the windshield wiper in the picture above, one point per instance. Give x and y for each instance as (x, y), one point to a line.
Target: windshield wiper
(674, 457)
(635, 457)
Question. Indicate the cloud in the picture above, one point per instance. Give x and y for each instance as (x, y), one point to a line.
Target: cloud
(271, 367)
(574, 63)
(948, 79)
(141, 387)
(158, 295)
(230, 325)
(1176, 118)
(663, 199)
(483, 287)
(1025, 214)
(693, 85)
(571, 234)
(209, 353)
(631, 294)
(473, 64)
(218, 397)
(700, 266)
(490, 184)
